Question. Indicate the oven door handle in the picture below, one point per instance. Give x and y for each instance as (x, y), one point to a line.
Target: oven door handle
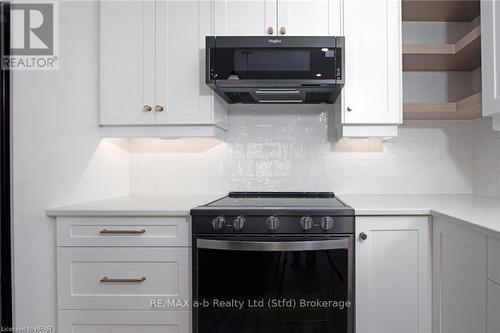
(333, 244)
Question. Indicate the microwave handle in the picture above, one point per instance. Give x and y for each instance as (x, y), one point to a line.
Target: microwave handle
(271, 246)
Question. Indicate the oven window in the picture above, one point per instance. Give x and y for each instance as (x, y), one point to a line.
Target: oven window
(273, 63)
(259, 278)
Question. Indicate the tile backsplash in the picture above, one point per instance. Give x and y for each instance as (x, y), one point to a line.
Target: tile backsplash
(289, 151)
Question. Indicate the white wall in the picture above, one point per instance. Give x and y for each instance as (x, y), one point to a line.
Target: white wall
(58, 157)
(486, 158)
(288, 150)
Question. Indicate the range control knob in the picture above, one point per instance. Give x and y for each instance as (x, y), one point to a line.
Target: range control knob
(306, 223)
(218, 223)
(239, 223)
(272, 223)
(326, 223)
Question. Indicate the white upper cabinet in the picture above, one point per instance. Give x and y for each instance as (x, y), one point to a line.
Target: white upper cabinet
(245, 17)
(153, 69)
(127, 66)
(277, 17)
(490, 52)
(181, 27)
(372, 94)
(309, 18)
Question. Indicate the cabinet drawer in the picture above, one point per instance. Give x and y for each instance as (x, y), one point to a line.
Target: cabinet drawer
(90, 321)
(121, 278)
(494, 260)
(493, 308)
(123, 231)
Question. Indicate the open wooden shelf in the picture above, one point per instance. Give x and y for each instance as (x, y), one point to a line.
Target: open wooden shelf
(440, 10)
(465, 109)
(464, 55)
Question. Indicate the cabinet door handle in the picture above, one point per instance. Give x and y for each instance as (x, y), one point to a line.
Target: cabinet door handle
(122, 232)
(159, 108)
(147, 108)
(110, 280)
(282, 30)
(363, 236)
(270, 31)
(350, 108)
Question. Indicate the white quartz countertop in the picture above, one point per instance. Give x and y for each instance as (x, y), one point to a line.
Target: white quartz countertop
(477, 211)
(136, 205)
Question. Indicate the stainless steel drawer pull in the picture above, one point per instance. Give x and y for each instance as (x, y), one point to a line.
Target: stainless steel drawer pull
(109, 280)
(121, 232)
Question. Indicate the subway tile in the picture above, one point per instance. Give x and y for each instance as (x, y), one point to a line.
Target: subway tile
(255, 151)
(272, 151)
(286, 149)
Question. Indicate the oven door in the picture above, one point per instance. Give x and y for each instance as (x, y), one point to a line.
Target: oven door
(273, 285)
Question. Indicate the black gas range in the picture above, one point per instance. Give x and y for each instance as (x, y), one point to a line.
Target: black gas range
(273, 262)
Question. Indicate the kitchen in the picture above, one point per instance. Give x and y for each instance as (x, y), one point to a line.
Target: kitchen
(412, 145)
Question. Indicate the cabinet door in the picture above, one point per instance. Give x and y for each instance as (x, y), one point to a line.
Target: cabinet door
(181, 27)
(493, 307)
(459, 279)
(309, 17)
(490, 53)
(245, 17)
(496, 122)
(372, 91)
(393, 275)
(127, 62)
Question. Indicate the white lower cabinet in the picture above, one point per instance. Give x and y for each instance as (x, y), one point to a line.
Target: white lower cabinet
(459, 279)
(393, 274)
(496, 122)
(117, 274)
(493, 315)
(493, 289)
(91, 321)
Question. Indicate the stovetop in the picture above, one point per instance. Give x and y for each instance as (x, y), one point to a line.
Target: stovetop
(274, 212)
(278, 199)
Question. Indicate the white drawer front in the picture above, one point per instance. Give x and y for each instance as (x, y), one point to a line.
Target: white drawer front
(121, 278)
(123, 231)
(494, 260)
(89, 321)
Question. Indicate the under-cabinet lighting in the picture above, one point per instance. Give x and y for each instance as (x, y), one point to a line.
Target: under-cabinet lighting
(365, 145)
(174, 145)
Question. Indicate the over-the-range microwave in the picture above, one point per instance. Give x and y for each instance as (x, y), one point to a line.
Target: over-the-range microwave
(285, 70)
